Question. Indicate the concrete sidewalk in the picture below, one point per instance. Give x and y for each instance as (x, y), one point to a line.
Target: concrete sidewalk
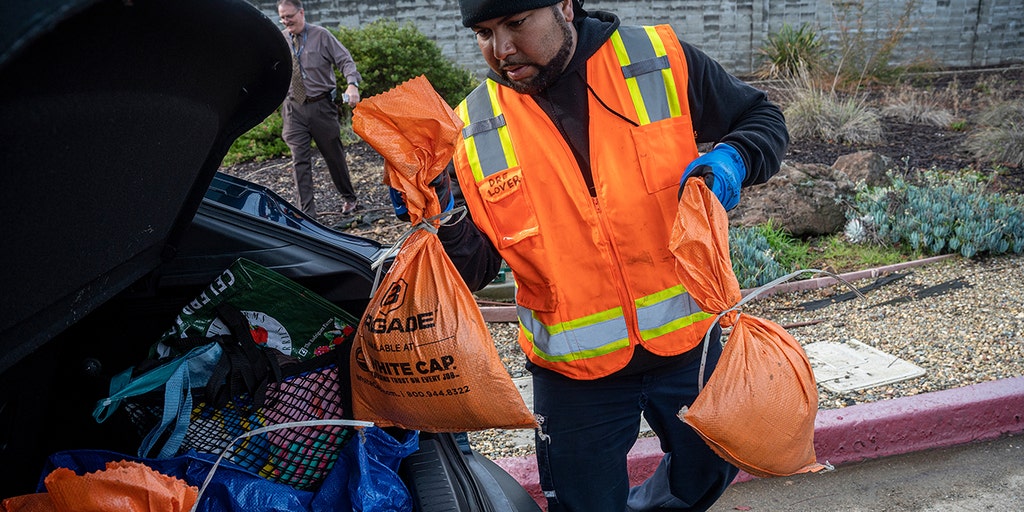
(973, 477)
(869, 431)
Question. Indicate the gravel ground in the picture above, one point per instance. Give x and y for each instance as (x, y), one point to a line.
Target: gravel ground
(960, 320)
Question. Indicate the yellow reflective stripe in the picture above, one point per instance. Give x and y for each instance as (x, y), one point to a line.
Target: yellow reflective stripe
(587, 321)
(503, 135)
(631, 85)
(674, 325)
(661, 296)
(667, 311)
(470, 142)
(620, 48)
(492, 93)
(670, 81)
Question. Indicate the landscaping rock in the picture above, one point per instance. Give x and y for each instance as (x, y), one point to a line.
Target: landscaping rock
(803, 199)
(865, 166)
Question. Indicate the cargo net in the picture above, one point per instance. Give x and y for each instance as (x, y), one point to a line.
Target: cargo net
(300, 456)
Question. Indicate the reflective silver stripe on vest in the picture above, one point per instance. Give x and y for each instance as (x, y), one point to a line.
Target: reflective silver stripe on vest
(598, 334)
(484, 121)
(668, 311)
(584, 338)
(647, 67)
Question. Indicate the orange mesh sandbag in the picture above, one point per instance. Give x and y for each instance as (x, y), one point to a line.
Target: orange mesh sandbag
(38, 502)
(423, 358)
(415, 131)
(700, 242)
(123, 486)
(757, 410)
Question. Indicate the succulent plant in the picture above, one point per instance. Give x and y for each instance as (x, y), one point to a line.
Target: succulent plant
(940, 212)
(753, 259)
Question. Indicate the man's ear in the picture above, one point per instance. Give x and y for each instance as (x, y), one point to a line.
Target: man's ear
(567, 10)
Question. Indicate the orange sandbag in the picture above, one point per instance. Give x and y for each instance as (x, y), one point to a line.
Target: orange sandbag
(123, 486)
(423, 358)
(415, 131)
(38, 502)
(700, 242)
(757, 410)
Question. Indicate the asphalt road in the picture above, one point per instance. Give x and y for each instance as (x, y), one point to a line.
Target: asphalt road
(981, 476)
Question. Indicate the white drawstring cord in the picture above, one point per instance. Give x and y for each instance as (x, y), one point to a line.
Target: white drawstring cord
(757, 291)
(445, 218)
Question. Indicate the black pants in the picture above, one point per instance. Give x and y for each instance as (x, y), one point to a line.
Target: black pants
(304, 124)
(589, 427)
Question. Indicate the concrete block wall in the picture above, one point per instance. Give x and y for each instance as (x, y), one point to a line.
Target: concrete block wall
(945, 33)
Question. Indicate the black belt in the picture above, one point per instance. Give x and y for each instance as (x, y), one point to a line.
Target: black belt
(318, 97)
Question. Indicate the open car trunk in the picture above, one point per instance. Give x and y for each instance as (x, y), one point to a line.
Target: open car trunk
(116, 115)
(114, 118)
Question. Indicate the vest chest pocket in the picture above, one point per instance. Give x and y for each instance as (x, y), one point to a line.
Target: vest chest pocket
(664, 148)
(509, 209)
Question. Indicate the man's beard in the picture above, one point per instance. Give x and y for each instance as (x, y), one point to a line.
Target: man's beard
(548, 73)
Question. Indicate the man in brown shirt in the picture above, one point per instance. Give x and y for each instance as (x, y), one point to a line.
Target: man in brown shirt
(308, 113)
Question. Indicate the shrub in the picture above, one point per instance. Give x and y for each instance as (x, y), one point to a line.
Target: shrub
(753, 260)
(260, 143)
(865, 51)
(838, 253)
(947, 213)
(763, 253)
(388, 54)
(788, 51)
(994, 88)
(1000, 136)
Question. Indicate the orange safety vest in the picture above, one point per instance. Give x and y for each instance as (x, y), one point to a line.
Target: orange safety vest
(594, 275)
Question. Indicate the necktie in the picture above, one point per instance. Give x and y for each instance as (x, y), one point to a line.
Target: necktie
(298, 88)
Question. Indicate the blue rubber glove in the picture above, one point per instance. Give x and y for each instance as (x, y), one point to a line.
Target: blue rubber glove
(442, 185)
(401, 211)
(723, 171)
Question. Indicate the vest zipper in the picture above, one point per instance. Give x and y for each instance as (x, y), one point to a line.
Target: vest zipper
(629, 313)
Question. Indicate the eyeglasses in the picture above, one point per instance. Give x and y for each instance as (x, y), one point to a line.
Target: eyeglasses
(289, 17)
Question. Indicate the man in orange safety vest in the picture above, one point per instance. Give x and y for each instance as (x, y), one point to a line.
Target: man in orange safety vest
(573, 154)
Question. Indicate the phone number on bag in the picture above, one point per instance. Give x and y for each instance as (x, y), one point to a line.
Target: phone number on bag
(461, 390)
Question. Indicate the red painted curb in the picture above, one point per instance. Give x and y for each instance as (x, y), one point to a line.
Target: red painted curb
(930, 420)
(867, 431)
(822, 282)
